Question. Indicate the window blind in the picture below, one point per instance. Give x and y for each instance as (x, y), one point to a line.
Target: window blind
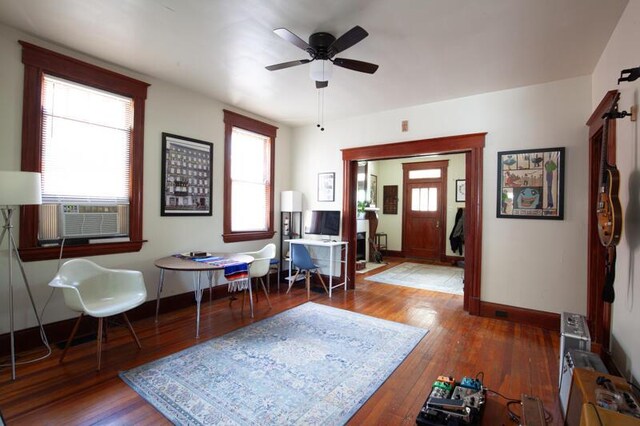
(250, 174)
(86, 139)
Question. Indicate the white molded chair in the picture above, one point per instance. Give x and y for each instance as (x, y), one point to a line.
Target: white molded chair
(261, 266)
(99, 292)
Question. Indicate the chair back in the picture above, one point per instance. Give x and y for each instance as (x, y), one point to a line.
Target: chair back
(300, 257)
(75, 273)
(261, 260)
(85, 283)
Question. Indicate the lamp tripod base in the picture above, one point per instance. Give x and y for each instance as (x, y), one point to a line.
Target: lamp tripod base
(7, 213)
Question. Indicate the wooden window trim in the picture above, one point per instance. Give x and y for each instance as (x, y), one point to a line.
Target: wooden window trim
(231, 120)
(37, 62)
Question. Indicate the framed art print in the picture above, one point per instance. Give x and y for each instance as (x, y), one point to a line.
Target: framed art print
(326, 186)
(186, 176)
(531, 184)
(461, 188)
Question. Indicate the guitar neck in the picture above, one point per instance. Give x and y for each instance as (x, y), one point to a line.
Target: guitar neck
(603, 151)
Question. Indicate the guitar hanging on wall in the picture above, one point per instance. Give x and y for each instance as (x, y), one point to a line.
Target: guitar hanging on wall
(609, 211)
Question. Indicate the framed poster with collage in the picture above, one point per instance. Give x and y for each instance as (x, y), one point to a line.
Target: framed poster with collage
(531, 184)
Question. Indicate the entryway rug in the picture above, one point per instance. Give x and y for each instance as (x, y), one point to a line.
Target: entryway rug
(445, 279)
(312, 364)
(370, 267)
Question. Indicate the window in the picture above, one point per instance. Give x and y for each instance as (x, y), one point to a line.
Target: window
(425, 174)
(424, 199)
(83, 130)
(248, 174)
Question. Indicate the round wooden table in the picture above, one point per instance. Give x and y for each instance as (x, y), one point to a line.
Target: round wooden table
(173, 263)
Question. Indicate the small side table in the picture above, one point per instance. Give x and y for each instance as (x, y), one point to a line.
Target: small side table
(381, 241)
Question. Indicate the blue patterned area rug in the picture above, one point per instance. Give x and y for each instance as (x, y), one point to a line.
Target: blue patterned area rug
(311, 365)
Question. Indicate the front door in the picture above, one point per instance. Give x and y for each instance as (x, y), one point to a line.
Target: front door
(423, 218)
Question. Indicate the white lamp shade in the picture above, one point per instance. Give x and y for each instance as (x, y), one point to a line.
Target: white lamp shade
(321, 70)
(20, 188)
(291, 201)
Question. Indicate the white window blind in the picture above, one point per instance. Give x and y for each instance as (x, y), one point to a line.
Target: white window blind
(250, 174)
(86, 136)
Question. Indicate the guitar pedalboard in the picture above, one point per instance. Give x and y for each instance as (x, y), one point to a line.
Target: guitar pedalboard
(452, 403)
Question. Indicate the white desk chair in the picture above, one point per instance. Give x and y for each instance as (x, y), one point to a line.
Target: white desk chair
(99, 292)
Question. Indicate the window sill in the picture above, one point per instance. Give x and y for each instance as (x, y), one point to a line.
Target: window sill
(247, 236)
(46, 253)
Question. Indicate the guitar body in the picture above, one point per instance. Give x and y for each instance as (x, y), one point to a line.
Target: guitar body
(609, 212)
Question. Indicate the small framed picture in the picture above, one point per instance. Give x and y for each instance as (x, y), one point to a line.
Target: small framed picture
(461, 189)
(186, 176)
(373, 190)
(326, 186)
(531, 184)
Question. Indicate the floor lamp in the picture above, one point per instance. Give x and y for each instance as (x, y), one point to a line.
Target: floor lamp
(17, 189)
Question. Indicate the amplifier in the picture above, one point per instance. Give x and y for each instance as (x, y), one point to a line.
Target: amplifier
(573, 359)
(574, 334)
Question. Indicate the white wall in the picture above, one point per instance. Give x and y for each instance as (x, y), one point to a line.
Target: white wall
(390, 173)
(536, 264)
(168, 109)
(621, 53)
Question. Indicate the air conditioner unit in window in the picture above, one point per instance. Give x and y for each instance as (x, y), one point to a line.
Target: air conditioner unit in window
(89, 220)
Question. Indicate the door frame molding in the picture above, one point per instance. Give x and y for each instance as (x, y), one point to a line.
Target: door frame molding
(473, 146)
(598, 312)
(443, 166)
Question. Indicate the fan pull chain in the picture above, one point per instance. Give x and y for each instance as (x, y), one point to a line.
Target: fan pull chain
(320, 110)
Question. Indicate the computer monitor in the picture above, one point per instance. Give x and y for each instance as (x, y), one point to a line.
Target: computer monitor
(322, 222)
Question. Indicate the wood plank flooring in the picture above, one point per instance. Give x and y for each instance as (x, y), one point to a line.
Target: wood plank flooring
(515, 359)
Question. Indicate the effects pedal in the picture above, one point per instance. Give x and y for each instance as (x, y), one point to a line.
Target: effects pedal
(532, 411)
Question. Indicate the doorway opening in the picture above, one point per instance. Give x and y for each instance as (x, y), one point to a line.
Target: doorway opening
(472, 147)
(423, 221)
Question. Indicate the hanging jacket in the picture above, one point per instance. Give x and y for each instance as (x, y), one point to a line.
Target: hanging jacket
(456, 238)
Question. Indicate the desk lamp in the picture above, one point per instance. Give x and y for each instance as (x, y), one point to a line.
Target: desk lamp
(17, 189)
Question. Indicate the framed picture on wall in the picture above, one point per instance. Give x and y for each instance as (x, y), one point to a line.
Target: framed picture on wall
(531, 184)
(187, 166)
(461, 189)
(326, 186)
(373, 190)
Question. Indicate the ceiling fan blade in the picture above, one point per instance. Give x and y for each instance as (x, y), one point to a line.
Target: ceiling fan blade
(351, 64)
(346, 40)
(321, 84)
(293, 39)
(287, 64)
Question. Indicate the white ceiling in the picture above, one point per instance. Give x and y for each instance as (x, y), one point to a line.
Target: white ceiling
(428, 50)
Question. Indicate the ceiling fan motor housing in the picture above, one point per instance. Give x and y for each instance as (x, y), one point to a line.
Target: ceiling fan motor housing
(320, 42)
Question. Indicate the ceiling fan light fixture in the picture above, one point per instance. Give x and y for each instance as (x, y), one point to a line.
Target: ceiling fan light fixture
(321, 70)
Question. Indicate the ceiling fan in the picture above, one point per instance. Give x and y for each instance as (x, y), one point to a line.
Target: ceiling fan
(322, 48)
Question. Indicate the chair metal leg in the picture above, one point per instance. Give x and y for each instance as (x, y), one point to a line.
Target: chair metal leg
(71, 336)
(308, 280)
(133, 333)
(99, 339)
(269, 280)
(265, 291)
(253, 280)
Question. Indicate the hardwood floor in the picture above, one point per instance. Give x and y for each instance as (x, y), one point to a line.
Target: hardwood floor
(515, 359)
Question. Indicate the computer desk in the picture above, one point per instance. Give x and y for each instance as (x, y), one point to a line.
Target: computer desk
(331, 245)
